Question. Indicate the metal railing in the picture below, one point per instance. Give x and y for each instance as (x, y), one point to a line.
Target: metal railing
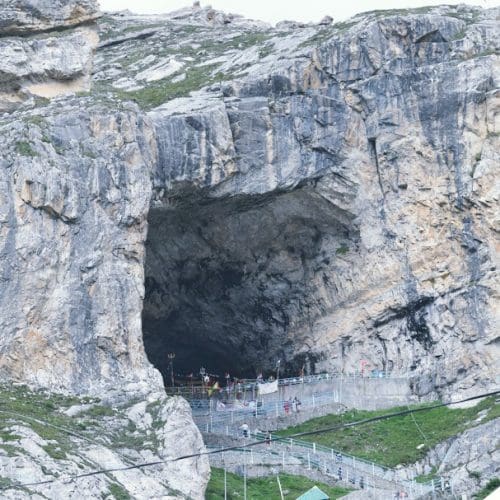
(209, 420)
(341, 466)
(250, 385)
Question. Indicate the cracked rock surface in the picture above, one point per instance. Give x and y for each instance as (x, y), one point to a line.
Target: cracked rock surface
(238, 193)
(336, 202)
(28, 16)
(42, 55)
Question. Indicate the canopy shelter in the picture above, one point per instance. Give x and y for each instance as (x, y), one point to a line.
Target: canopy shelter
(314, 494)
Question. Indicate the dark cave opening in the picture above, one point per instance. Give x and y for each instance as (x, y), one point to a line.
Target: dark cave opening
(231, 284)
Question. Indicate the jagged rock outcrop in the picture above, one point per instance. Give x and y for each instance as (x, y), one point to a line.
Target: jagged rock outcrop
(328, 197)
(335, 203)
(338, 209)
(48, 439)
(57, 61)
(28, 16)
(466, 462)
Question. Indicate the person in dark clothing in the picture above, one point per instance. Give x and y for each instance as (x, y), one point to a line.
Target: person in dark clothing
(268, 438)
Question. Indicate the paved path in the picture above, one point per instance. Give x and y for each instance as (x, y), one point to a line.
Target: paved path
(310, 459)
(223, 427)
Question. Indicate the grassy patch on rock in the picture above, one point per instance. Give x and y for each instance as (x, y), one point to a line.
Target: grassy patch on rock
(265, 487)
(396, 440)
(162, 91)
(24, 149)
(492, 485)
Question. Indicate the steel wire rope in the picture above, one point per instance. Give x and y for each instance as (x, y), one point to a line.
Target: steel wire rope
(70, 478)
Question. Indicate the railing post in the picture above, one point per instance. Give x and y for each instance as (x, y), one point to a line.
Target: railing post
(277, 411)
(332, 453)
(314, 448)
(353, 462)
(308, 460)
(211, 424)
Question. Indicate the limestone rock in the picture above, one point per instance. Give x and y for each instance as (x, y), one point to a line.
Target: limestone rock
(44, 66)
(324, 196)
(28, 16)
(112, 441)
(309, 210)
(327, 20)
(467, 462)
(47, 64)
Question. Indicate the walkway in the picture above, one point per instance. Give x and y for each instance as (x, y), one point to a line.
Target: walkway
(223, 425)
(344, 468)
(273, 414)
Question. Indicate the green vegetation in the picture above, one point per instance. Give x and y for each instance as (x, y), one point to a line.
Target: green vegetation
(42, 413)
(195, 73)
(159, 92)
(118, 492)
(100, 411)
(394, 441)
(266, 50)
(5, 482)
(36, 120)
(397, 12)
(324, 34)
(424, 478)
(18, 404)
(488, 489)
(265, 487)
(24, 148)
(10, 450)
(342, 250)
(458, 35)
(55, 451)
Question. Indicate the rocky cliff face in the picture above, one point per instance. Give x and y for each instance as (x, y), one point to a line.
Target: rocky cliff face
(335, 206)
(334, 201)
(41, 55)
(328, 196)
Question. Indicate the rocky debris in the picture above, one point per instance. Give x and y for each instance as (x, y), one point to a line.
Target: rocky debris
(29, 16)
(467, 461)
(326, 21)
(289, 25)
(211, 17)
(49, 64)
(323, 196)
(54, 447)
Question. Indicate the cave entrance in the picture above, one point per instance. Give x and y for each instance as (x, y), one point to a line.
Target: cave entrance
(234, 285)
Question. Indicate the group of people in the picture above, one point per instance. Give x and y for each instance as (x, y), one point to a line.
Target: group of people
(401, 494)
(290, 405)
